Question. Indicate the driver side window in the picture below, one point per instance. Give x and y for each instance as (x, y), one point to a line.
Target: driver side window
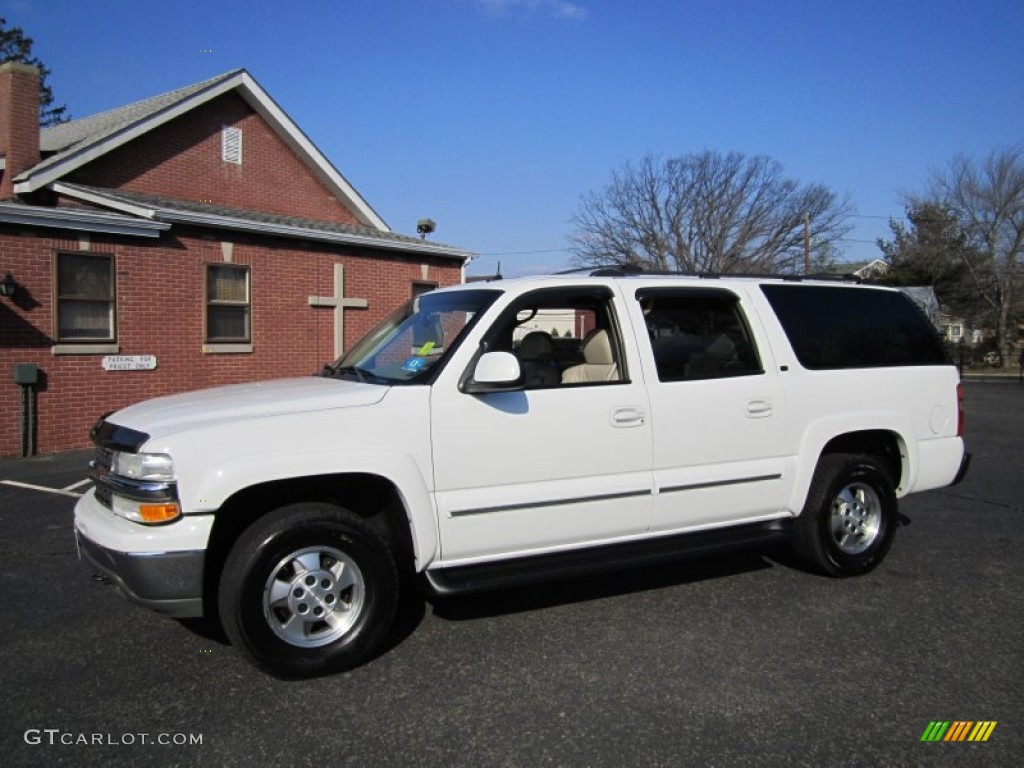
(561, 337)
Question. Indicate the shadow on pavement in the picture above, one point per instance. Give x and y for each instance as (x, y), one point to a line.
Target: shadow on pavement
(612, 584)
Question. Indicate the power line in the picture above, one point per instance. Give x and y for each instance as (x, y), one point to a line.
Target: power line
(569, 250)
(523, 253)
(838, 240)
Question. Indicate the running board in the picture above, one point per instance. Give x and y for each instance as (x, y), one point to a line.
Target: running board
(502, 574)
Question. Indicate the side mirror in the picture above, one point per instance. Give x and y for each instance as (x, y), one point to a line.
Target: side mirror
(494, 372)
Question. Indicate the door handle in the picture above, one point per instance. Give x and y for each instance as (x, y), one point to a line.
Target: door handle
(628, 417)
(759, 408)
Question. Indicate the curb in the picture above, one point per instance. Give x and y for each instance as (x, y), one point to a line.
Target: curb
(992, 378)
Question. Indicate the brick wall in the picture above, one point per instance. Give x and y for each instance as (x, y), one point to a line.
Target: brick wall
(160, 312)
(19, 121)
(182, 159)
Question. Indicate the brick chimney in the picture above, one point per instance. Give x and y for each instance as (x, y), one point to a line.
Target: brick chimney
(19, 122)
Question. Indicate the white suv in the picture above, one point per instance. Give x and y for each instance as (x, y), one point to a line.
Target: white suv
(490, 435)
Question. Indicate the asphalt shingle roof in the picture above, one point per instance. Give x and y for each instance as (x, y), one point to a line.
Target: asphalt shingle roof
(160, 203)
(95, 128)
(67, 139)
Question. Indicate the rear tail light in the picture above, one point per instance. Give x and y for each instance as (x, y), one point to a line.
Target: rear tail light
(959, 410)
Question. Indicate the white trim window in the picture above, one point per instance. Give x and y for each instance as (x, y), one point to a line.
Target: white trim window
(85, 298)
(228, 310)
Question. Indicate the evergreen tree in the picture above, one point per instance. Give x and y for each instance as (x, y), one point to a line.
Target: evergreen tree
(933, 250)
(16, 46)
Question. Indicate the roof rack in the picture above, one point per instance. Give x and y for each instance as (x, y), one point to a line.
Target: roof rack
(630, 270)
(831, 276)
(609, 270)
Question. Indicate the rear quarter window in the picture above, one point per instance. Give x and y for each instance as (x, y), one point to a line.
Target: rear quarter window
(834, 327)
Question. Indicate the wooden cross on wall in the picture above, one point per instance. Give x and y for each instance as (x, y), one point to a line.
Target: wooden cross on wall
(339, 303)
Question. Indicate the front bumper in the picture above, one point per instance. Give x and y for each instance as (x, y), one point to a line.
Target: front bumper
(168, 582)
(160, 567)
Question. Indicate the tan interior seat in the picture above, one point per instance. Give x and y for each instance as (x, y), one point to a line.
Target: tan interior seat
(598, 363)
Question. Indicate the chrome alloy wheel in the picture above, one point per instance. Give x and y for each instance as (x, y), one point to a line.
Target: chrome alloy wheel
(856, 518)
(313, 596)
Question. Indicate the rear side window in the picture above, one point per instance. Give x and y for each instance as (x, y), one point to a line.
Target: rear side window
(832, 327)
(697, 334)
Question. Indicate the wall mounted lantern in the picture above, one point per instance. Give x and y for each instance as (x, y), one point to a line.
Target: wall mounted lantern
(8, 287)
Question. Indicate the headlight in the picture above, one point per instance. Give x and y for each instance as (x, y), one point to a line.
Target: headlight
(156, 467)
(142, 487)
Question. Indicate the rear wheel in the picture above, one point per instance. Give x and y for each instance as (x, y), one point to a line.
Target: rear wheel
(307, 590)
(849, 520)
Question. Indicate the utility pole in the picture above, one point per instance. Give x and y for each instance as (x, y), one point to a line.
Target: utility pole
(807, 244)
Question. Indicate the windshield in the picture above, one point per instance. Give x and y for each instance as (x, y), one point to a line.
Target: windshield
(413, 339)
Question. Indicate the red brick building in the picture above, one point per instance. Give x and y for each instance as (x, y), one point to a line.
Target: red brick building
(192, 239)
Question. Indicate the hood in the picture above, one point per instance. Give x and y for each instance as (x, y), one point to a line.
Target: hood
(165, 416)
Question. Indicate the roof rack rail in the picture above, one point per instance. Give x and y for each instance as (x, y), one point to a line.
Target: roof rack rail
(846, 277)
(627, 270)
(609, 270)
(621, 270)
(832, 276)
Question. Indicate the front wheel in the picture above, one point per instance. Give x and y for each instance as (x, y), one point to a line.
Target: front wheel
(308, 590)
(849, 520)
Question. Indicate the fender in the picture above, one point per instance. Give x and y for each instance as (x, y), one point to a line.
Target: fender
(822, 430)
(390, 439)
(224, 480)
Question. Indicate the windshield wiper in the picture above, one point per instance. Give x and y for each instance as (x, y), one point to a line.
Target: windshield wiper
(364, 376)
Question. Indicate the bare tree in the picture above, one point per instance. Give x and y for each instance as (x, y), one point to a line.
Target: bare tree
(708, 212)
(987, 199)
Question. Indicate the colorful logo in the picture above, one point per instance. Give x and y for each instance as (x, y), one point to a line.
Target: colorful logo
(958, 730)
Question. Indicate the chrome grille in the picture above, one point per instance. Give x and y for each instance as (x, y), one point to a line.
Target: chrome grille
(104, 457)
(101, 467)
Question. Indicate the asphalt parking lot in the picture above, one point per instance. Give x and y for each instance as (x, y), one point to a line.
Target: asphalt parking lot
(741, 660)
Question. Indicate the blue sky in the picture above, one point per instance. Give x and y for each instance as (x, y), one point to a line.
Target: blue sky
(494, 117)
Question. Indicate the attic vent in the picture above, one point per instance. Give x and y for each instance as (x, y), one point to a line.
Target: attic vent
(231, 145)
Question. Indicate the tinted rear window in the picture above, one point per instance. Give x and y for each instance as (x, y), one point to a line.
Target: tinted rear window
(845, 327)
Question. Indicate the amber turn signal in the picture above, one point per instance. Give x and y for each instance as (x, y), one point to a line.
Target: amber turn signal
(158, 513)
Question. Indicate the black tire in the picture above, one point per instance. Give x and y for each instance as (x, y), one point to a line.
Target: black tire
(308, 590)
(849, 521)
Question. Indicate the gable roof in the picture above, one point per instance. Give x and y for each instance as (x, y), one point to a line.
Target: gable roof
(64, 137)
(78, 142)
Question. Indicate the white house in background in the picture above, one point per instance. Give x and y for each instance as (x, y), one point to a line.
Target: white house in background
(956, 330)
(558, 323)
(865, 270)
